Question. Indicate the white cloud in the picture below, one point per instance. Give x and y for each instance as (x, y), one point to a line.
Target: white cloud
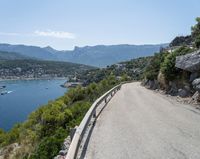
(55, 34)
(48, 33)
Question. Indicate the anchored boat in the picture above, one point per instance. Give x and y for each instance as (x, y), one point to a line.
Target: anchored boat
(6, 92)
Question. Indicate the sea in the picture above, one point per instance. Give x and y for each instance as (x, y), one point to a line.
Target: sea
(25, 96)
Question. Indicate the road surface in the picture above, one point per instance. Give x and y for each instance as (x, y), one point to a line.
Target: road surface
(141, 124)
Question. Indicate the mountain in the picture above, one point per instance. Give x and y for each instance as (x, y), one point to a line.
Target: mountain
(99, 55)
(102, 55)
(30, 51)
(11, 56)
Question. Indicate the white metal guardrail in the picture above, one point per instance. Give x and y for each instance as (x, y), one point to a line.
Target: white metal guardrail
(80, 131)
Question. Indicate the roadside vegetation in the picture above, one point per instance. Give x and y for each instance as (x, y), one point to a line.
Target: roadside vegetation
(129, 70)
(42, 134)
(164, 61)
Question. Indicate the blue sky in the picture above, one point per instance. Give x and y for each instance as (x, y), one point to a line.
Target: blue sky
(64, 24)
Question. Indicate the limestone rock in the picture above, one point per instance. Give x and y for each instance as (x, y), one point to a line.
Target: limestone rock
(173, 89)
(193, 76)
(195, 98)
(196, 84)
(189, 62)
(152, 84)
(183, 93)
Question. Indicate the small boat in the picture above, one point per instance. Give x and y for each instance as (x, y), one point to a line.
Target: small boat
(6, 92)
(2, 87)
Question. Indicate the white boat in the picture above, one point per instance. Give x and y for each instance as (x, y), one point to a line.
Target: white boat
(6, 92)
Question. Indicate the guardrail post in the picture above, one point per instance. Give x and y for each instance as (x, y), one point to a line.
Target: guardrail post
(105, 100)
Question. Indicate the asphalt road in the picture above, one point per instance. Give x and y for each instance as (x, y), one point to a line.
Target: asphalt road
(141, 124)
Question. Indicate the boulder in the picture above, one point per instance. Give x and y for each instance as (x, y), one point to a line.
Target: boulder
(152, 84)
(196, 84)
(59, 157)
(66, 143)
(173, 89)
(189, 62)
(183, 93)
(195, 98)
(63, 152)
(193, 76)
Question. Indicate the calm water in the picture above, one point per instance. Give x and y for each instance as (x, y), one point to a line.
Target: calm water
(25, 98)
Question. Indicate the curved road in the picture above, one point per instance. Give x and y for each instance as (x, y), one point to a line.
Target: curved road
(141, 124)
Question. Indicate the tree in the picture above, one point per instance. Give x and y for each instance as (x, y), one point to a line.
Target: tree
(168, 66)
(196, 32)
(153, 68)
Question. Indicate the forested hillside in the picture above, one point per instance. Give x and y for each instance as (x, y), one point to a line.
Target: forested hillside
(11, 56)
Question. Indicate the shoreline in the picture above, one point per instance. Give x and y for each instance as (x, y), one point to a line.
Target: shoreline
(29, 79)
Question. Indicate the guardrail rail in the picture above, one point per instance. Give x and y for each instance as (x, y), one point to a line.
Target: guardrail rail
(81, 129)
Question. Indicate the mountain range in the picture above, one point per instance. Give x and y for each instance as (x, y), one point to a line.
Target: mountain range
(99, 55)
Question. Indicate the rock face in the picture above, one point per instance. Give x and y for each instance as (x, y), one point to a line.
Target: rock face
(189, 62)
(196, 84)
(173, 89)
(151, 84)
(183, 92)
(195, 98)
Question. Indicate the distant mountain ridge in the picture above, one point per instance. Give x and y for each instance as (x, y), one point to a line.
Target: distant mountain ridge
(4, 55)
(99, 55)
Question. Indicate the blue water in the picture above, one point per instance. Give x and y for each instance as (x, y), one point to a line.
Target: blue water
(26, 97)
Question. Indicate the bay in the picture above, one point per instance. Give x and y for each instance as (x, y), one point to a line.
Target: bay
(25, 97)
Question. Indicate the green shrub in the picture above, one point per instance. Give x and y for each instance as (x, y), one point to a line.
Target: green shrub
(152, 70)
(168, 66)
(196, 32)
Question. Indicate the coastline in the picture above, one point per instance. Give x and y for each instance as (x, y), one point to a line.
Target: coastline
(29, 79)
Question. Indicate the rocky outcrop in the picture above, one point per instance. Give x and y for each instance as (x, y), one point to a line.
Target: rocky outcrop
(9, 151)
(151, 84)
(181, 40)
(189, 62)
(172, 89)
(195, 98)
(196, 84)
(184, 92)
(65, 148)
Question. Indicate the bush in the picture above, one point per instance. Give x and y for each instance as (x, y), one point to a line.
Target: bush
(152, 70)
(168, 66)
(49, 146)
(196, 32)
